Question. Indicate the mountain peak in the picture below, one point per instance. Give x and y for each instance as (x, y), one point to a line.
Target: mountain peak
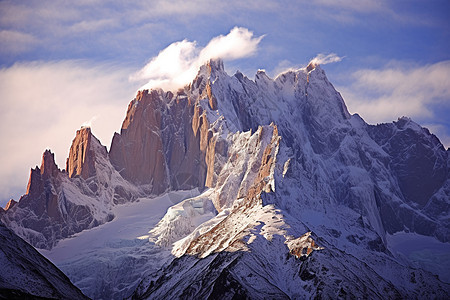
(81, 159)
(10, 204)
(215, 64)
(48, 165)
(311, 66)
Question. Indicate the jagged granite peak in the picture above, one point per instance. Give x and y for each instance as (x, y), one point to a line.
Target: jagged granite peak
(58, 203)
(39, 187)
(81, 160)
(48, 165)
(10, 204)
(166, 142)
(137, 152)
(26, 274)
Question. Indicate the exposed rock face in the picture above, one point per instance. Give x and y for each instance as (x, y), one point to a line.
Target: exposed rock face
(81, 160)
(26, 274)
(137, 153)
(10, 204)
(166, 141)
(41, 196)
(40, 208)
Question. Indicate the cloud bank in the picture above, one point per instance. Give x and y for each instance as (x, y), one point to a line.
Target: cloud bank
(178, 64)
(44, 103)
(383, 95)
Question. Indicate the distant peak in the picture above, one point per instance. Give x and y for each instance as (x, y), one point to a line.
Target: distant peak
(48, 165)
(81, 160)
(84, 128)
(215, 64)
(10, 204)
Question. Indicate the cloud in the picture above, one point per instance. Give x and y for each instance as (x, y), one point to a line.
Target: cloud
(94, 25)
(16, 41)
(322, 59)
(362, 6)
(42, 104)
(383, 95)
(177, 64)
(282, 67)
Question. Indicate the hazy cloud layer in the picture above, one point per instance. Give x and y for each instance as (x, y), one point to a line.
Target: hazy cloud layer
(16, 42)
(178, 64)
(383, 95)
(44, 103)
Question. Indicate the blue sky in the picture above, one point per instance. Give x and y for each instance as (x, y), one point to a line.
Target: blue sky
(68, 63)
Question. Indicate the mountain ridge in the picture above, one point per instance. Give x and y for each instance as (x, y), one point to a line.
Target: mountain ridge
(273, 160)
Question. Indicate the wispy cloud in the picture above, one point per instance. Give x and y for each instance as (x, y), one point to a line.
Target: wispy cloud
(383, 95)
(364, 6)
(16, 42)
(323, 59)
(94, 25)
(44, 103)
(177, 64)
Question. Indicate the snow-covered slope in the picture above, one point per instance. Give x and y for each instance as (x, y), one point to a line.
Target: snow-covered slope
(108, 261)
(26, 274)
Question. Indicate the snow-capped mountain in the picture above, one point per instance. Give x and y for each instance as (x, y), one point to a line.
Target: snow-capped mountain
(297, 197)
(58, 203)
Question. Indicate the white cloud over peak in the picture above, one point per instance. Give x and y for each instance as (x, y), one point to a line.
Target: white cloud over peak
(323, 59)
(178, 64)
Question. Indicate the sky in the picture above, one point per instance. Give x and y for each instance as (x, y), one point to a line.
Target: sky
(67, 64)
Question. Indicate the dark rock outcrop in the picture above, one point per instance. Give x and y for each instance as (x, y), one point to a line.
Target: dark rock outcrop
(26, 274)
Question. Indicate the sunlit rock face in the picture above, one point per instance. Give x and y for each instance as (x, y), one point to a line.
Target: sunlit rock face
(81, 160)
(166, 141)
(10, 204)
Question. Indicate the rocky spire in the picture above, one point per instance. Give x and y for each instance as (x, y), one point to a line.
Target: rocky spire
(48, 165)
(81, 160)
(48, 170)
(10, 204)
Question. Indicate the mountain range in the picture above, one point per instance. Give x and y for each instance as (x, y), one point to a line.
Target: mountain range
(238, 188)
